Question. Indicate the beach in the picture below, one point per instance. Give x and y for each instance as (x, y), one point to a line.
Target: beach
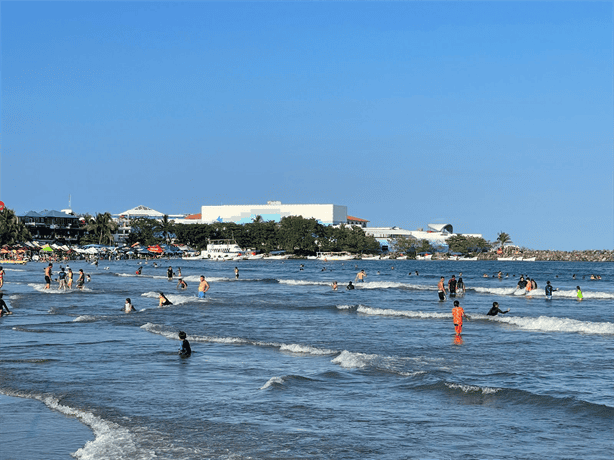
(285, 367)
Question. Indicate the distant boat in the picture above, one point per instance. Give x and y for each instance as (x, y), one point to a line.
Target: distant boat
(326, 256)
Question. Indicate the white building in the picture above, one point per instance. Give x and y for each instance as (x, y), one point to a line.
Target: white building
(327, 214)
(437, 234)
(123, 220)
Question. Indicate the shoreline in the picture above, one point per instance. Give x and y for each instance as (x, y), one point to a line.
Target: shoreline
(29, 427)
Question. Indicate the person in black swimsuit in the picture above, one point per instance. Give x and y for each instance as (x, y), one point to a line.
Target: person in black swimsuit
(496, 310)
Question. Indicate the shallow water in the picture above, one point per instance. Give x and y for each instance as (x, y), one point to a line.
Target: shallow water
(284, 367)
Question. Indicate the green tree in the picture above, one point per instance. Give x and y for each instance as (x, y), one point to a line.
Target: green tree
(503, 239)
(299, 235)
(405, 244)
(142, 230)
(12, 231)
(99, 229)
(166, 228)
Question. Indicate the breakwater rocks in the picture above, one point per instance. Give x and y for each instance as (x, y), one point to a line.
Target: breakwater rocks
(563, 256)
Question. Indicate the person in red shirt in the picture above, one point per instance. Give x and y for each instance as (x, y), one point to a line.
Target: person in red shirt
(458, 314)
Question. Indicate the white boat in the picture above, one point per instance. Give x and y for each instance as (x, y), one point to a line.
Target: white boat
(506, 259)
(276, 257)
(529, 259)
(220, 250)
(425, 257)
(327, 256)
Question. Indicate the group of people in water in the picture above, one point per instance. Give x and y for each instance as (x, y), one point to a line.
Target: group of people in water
(65, 277)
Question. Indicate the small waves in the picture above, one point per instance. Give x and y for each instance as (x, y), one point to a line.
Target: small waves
(569, 294)
(111, 440)
(273, 381)
(84, 319)
(472, 388)
(305, 282)
(175, 299)
(550, 324)
(401, 313)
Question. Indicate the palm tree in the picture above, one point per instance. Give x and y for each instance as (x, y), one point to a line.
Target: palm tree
(166, 227)
(103, 226)
(503, 239)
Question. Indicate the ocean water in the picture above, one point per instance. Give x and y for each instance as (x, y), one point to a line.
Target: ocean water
(283, 367)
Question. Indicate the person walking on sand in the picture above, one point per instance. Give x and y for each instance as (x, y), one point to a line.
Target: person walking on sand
(48, 275)
(458, 314)
(441, 289)
(549, 289)
(203, 287)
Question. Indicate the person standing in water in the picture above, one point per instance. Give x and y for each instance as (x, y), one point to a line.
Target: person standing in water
(460, 285)
(441, 289)
(4, 308)
(452, 286)
(185, 350)
(69, 278)
(81, 279)
(163, 300)
(496, 310)
(458, 314)
(182, 284)
(236, 273)
(335, 286)
(48, 275)
(1, 277)
(579, 294)
(169, 273)
(128, 307)
(549, 289)
(203, 287)
(360, 276)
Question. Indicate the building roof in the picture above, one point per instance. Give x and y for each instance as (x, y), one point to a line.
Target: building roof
(142, 211)
(194, 216)
(441, 227)
(51, 213)
(356, 219)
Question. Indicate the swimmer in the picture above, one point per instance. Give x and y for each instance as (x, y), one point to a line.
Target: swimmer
(579, 294)
(522, 284)
(4, 308)
(549, 289)
(495, 310)
(203, 287)
(350, 286)
(1, 277)
(182, 284)
(458, 314)
(139, 270)
(128, 307)
(88, 277)
(164, 300)
(335, 286)
(185, 350)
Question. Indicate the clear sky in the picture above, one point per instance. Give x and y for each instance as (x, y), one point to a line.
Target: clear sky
(491, 116)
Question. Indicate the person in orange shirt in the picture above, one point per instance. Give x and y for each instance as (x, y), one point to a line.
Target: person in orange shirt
(458, 314)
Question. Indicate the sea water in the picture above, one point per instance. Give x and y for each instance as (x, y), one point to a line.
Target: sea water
(283, 367)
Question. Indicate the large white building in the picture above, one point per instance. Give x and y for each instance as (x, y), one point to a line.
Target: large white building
(436, 234)
(328, 214)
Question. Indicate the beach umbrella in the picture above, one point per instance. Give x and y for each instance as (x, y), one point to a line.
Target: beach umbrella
(47, 248)
(156, 249)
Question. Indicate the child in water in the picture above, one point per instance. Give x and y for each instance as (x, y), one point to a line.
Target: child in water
(185, 350)
(579, 293)
(128, 307)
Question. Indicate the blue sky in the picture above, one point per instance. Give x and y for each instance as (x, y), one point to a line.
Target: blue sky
(491, 116)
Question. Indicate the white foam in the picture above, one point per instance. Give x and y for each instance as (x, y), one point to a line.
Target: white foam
(472, 388)
(305, 349)
(84, 318)
(175, 299)
(272, 381)
(550, 324)
(539, 292)
(393, 285)
(54, 289)
(111, 440)
(351, 360)
(305, 283)
(345, 307)
(402, 313)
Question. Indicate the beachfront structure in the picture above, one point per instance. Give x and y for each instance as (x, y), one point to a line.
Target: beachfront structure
(437, 234)
(356, 221)
(327, 214)
(123, 220)
(49, 226)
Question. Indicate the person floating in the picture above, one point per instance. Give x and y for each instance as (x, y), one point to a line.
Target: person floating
(203, 287)
(579, 293)
(335, 286)
(441, 289)
(549, 289)
(128, 307)
(495, 310)
(350, 286)
(458, 314)
(163, 300)
(185, 350)
(139, 270)
(182, 284)
(4, 308)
